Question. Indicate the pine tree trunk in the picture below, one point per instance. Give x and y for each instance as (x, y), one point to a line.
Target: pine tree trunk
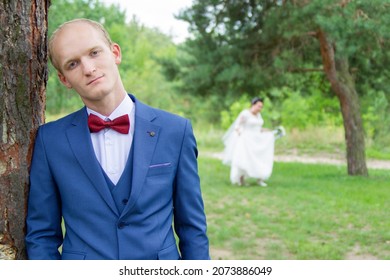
(343, 84)
(23, 69)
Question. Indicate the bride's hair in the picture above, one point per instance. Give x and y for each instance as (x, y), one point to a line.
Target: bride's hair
(256, 99)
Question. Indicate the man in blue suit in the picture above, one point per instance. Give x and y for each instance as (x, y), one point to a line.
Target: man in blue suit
(121, 175)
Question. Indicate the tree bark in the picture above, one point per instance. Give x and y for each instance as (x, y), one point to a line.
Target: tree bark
(343, 84)
(23, 69)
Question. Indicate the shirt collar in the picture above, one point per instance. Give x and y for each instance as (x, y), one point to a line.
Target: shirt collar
(125, 107)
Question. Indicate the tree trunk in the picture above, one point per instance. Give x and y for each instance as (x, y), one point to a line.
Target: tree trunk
(343, 84)
(23, 69)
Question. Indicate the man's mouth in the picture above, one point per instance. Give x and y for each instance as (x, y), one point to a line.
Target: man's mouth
(94, 80)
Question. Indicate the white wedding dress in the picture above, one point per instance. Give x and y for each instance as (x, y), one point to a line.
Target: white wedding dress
(248, 150)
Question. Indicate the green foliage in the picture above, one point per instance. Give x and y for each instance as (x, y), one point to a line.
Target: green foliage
(309, 106)
(295, 109)
(376, 117)
(270, 47)
(304, 107)
(61, 11)
(228, 116)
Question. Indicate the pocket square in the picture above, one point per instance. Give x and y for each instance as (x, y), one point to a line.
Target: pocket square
(160, 165)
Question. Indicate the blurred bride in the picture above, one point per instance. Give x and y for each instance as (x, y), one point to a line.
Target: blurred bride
(249, 148)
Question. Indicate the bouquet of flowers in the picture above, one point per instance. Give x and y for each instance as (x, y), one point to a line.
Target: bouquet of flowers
(279, 132)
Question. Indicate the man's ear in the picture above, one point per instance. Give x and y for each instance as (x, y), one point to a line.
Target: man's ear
(63, 80)
(116, 50)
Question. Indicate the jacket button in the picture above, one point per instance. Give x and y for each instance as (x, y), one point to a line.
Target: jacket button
(124, 201)
(121, 225)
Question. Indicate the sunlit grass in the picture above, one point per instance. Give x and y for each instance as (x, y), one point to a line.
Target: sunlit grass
(307, 212)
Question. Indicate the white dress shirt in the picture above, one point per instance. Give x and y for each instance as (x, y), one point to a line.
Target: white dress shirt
(111, 147)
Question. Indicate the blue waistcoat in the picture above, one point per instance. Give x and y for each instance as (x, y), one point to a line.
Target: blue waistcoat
(121, 191)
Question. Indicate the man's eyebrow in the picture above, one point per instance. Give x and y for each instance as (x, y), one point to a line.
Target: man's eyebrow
(87, 52)
(95, 48)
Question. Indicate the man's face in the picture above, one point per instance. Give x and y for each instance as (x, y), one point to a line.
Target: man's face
(86, 62)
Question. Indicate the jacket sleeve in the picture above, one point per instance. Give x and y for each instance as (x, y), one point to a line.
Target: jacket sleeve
(189, 215)
(44, 234)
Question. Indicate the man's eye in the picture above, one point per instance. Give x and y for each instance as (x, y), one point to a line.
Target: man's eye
(72, 64)
(94, 53)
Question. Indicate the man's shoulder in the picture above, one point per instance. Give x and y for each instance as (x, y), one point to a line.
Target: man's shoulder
(62, 122)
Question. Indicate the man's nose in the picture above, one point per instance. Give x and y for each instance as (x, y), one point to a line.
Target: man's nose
(88, 67)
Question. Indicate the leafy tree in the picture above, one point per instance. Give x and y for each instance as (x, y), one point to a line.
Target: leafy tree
(227, 57)
(252, 45)
(348, 32)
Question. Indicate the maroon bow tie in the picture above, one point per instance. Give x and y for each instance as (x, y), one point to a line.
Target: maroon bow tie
(120, 124)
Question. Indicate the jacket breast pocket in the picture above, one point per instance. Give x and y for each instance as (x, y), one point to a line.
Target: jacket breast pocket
(159, 169)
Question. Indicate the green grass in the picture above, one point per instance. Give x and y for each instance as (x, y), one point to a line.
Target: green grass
(306, 212)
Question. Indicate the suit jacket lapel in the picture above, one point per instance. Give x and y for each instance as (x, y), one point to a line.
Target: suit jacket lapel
(145, 138)
(81, 144)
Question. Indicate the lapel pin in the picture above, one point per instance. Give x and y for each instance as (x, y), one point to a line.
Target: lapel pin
(151, 133)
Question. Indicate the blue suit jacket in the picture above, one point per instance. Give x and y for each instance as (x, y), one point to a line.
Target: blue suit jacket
(66, 181)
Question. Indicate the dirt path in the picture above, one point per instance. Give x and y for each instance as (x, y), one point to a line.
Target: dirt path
(336, 160)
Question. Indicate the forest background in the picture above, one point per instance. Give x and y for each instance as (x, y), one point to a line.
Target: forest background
(209, 78)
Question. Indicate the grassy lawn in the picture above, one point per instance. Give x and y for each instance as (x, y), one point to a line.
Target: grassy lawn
(307, 212)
